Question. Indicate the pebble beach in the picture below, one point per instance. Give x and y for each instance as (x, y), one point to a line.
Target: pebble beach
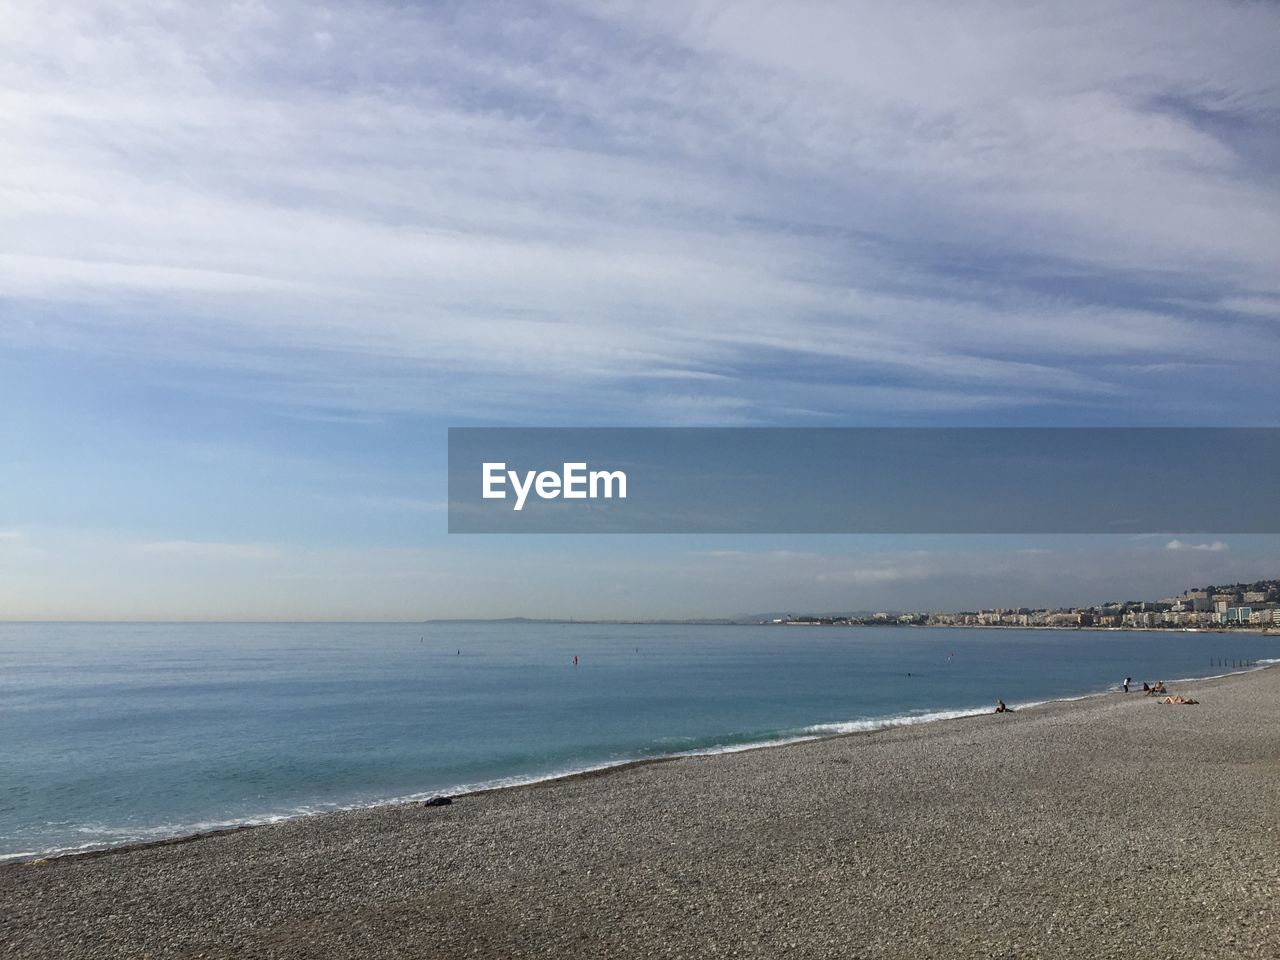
(1109, 827)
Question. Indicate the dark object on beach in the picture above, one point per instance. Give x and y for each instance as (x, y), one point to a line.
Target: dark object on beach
(1001, 708)
(438, 802)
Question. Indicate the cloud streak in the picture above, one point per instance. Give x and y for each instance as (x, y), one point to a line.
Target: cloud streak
(1216, 546)
(637, 211)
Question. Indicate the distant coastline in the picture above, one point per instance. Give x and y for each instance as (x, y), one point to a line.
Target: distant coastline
(1252, 607)
(1271, 630)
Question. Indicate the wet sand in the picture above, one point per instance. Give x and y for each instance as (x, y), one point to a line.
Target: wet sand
(1111, 827)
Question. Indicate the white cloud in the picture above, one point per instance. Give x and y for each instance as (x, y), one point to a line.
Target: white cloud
(876, 575)
(1217, 546)
(672, 196)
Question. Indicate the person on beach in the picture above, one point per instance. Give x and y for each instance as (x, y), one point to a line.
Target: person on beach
(1179, 699)
(1127, 681)
(1157, 690)
(1001, 708)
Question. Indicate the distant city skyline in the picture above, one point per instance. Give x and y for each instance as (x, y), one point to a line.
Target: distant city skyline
(1254, 604)
(257, 260)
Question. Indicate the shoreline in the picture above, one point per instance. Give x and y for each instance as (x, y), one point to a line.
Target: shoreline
(1264, 630)
(874, 726)
(1102, 827)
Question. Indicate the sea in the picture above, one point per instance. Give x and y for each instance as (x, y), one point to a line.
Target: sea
(119, 733)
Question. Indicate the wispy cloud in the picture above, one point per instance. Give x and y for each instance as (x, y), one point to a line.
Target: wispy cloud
(634, 210)
(1216, 546)
(877, 575)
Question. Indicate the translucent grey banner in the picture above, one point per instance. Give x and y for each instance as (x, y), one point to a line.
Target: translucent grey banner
(864, 480)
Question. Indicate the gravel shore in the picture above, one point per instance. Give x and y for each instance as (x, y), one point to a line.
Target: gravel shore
(1111, 827)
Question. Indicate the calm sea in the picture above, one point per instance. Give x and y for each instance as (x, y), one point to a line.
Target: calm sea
(112, 733)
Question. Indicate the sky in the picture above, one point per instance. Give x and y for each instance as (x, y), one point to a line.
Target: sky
(256, 258)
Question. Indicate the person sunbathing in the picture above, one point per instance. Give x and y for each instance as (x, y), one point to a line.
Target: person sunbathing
(1179, 699)
(1157, 689)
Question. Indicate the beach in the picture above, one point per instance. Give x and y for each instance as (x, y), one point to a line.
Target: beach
(1107, 827)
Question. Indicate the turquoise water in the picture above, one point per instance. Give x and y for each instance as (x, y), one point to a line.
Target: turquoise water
(112, 733)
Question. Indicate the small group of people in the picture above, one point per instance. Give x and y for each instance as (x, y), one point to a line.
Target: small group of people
(1147, 688)
(1158, 690)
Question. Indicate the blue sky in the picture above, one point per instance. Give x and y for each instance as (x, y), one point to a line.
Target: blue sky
(255, 261)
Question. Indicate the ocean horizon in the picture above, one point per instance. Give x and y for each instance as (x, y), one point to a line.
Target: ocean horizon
(119, 733)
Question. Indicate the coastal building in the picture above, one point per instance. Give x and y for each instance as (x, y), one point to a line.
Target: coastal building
(1064, 619)
(1139, 619)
